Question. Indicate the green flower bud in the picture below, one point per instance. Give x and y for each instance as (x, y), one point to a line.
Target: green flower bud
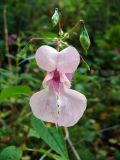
(61, 33)
(84, 38)
(55, 17)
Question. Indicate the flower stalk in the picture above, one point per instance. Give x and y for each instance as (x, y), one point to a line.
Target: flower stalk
(6, 36)
(67, 138)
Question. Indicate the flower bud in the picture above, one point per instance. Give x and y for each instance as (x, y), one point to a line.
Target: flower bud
(55, 17)
(84, 38)
(61, 33)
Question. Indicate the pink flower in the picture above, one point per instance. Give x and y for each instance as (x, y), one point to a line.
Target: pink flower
(57, 103)
(11, 39)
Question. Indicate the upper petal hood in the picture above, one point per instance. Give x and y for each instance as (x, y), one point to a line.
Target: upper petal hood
(65, 61)
(46, 58)
(68, 60)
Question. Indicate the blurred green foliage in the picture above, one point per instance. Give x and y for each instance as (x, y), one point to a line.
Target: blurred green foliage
(101, 85)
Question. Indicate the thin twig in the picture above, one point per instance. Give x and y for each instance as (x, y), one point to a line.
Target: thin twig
(71, 144)
(44, 155)
(59, 26)
(109, 128)
(38, 39)
(56, 41)
(32, 150)
(73, 29)
(6, 36)
(100, 131)
(82, 59)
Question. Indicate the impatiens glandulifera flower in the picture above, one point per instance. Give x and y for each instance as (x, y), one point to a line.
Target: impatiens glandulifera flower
(57, 103)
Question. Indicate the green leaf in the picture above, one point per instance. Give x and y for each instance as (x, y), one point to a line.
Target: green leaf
(11, 153)
(3, 132)
(117, 155)
(28, 59)
(33, 133)
(52, 136)
(85, 154)
(15, 91)
(49, 35)
(51, 155)
(23, 51)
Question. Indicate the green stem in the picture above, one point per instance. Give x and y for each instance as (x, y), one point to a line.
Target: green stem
(39, 39)
(17, 60)
(59, 24)
(47, 153)
(86, 64)
(74, 28)
(71, 144)
(6, 36)
(44, 155)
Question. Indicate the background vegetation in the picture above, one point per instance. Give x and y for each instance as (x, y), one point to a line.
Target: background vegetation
(97, 135)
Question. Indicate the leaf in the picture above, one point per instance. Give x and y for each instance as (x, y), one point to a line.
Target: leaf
(15, 91)
(23, 51)
(28, 59)
(49, 35)
(85, 154)
(11, 153)
(51, 155)
(33, 133)
(3, 132)
(117, 155)
(52, 136)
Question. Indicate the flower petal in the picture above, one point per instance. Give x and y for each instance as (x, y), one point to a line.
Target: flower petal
(47, 78)
(68, 60)
(43, 105)
(72, 107)
(46, 58)
(65, 81)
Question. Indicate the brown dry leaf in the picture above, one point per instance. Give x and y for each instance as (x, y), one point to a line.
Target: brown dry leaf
(110, 158)
(103, 116)
(97, 126)
(90, 110)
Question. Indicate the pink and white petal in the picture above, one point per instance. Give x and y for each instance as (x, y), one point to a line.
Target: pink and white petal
(69, 76)
(46, 58)
(47, 78)
(68, 60)
(65, 80)
(43, 105)
(73, 105)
